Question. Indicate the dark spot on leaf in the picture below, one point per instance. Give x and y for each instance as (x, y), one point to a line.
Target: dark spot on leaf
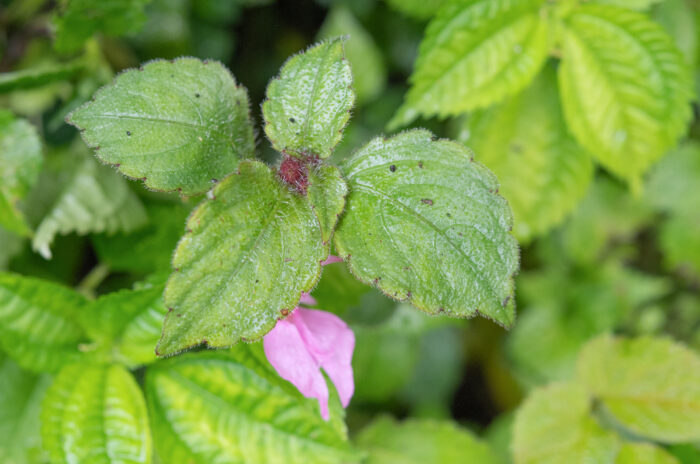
(179, 315)
(409, 294)
(170, 310)
(516, 147)
(420, 164)
(285, 312)
(441, 310)
(128, 133)
(392, 168)
(427, 201)
(449, 215)
(505, 301)
(196, 95)
(292, 120)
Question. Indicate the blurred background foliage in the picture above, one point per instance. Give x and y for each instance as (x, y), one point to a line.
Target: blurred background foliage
(599, 258)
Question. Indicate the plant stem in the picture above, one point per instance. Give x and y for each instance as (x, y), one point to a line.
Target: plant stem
(92, 280)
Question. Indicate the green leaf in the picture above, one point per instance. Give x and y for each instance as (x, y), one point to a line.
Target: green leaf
(554, 426)
(543, 172)
(231, 407)
(248, 254)
(95, 414)
(562, 310)
(38, 326)
(82, 196)
(644, 453)
(78, 20)
(639, 5)
(673, 183)
(650, 385)
(625, 88)
(148, 249)
(20, 402)
(326, 191)
(309, 103)
(20, 163)
(680, 242)
(419, 9)
(176, 125)
(679, 20)
(424, 224)
(11, 246)
(38, 76)
(421, 441)
(368, 69)
(476, 53)
(128, 322)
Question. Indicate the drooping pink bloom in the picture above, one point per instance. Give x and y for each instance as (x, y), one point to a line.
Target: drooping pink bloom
(307, 341)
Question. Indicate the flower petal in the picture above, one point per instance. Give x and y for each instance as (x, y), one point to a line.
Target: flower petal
(307, 299)
(331, 342)
(287, 352)
(331, 259)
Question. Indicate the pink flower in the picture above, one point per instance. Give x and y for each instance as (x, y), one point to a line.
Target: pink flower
(308, 340)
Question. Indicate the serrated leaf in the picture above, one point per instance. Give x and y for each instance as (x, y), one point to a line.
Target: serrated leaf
(424, 224)
(650, 385)
(148, 249)
(248, 254)
(231, 407)
(176, 125)
(543, 172)
(38, 76)
(308, 104)
(95, 414)
(20, 401)
(78, 20)
(421, 441)
(368, 69)
(625, 88)
(38, 326)
(20, 163)
(644, 453)
(83, 196)
(128, 322)
(554, 426)
(419, 9)
(475, 53)
(326, 193)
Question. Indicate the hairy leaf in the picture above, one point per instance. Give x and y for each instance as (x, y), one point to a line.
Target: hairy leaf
(95, 414)
(650, 385)
(78, 20)
(554, 426)
(20, 163)
(368, 68)
(424, 224)
(422, 441)
(644, 453)
(475, 53)
(543, 172)
(20, 401)
(309, 103)
(80, 195)
(248, 254)
(326, 192)
(625, 88)
(128, 322)
(38, 327)
(176, 125)
(231, 407)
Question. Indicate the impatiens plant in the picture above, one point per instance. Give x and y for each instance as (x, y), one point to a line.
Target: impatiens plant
(414, 216)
